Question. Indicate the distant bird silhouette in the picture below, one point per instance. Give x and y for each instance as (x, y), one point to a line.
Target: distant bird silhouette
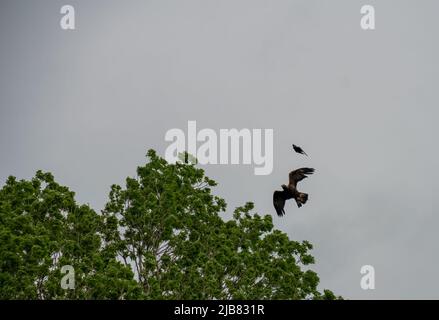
(299, 150)
(290, 191)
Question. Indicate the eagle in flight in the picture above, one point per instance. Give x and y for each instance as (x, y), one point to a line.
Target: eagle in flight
(290, 191)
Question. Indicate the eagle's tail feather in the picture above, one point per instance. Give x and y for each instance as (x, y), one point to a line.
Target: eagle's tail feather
(302, 198)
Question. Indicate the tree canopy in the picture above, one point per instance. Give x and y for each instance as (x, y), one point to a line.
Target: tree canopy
(161, 236)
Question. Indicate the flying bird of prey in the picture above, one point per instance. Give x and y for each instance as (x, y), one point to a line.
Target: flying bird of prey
(299, 150)
(290, 191)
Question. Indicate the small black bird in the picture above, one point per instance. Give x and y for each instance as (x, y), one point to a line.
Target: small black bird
(299, 150)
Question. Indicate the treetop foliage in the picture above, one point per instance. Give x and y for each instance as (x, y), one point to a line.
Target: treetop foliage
(161, 236)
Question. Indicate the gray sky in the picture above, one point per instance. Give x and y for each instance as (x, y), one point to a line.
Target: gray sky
(87, 104)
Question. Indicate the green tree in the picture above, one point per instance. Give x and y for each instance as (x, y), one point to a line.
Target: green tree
(166, 224)
(159, 237)
(42, 229)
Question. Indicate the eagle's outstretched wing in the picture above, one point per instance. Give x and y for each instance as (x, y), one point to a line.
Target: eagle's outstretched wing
(279, 202)
(299, 174)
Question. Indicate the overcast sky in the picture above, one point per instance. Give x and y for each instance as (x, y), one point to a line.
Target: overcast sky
(87, 104)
